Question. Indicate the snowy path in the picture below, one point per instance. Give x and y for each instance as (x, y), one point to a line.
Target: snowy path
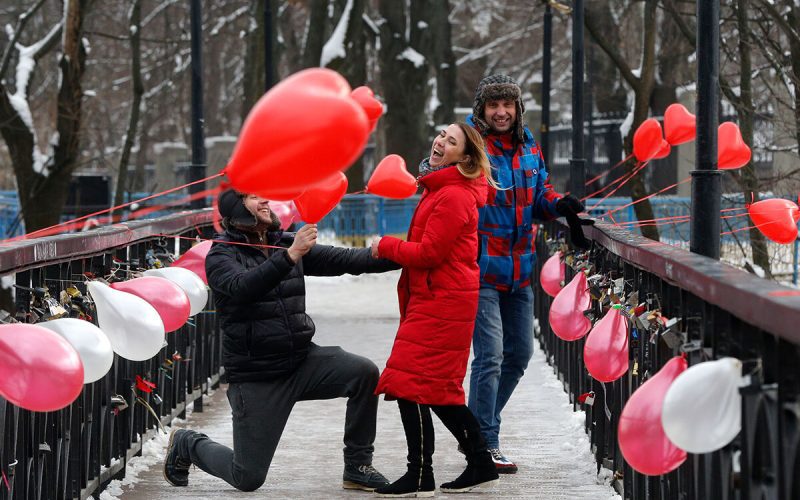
(540, 431)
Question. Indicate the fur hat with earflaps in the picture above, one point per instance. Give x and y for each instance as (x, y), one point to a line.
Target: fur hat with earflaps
(496, 87)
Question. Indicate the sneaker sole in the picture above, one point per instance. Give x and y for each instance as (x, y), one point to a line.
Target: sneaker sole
(166, 454)
(413, 494)
(350, 485)
(506, 469)
(479, 486)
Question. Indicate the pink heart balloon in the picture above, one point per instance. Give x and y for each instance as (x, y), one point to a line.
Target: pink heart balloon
(605, 352)
(195, 259)
(167, 298)
(552, 275)
(39, 369)
(319, 200)
(680, 126)
(641, 436)
(732, 152)
(391, 179)
(566, 312)
(286, 212)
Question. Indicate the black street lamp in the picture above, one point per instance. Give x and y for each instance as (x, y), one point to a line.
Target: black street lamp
(706, 181)
(577, 164)
(544, 130)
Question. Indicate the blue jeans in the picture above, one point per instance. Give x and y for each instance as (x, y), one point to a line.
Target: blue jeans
(502, 344)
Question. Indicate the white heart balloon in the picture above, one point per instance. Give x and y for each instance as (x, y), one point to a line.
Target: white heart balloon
(92, 345)
(190, 282)
(702, 409)
(131, 324)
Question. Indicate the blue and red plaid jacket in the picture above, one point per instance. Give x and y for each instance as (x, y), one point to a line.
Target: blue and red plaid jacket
(506, 253)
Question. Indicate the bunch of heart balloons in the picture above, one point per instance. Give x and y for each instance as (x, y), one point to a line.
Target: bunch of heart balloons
(302, 135)
(43, 366)
(651, 143)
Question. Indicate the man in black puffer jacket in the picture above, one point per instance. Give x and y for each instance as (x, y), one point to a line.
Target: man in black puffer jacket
(269, 358)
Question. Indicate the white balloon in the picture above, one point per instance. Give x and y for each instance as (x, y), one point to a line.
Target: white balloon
(92, 345)
(702, 409)
(131, 324)
(190, 282)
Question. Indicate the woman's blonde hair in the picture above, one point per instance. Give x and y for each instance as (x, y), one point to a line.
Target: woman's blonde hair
(478, 163)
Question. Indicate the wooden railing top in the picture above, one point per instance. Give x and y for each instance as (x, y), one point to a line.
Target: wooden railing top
(766, 304)
(25, 254)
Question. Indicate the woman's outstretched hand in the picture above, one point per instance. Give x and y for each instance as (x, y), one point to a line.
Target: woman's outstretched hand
(374, 247)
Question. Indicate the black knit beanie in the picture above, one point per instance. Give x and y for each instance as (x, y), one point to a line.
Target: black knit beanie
(496, 87)
(231, 208)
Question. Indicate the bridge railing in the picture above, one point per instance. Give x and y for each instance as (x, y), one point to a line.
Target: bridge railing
(721, 311)
(76, 451)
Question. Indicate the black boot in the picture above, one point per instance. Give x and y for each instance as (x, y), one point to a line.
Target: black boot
(480, 473)
(418, 480)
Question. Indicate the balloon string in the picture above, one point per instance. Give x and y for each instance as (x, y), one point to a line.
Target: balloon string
(607, 186)
(5, 480)
(71, 223)
(651, 195)
(256, 245)
(607, 171)
(363, 191)
(626, 177)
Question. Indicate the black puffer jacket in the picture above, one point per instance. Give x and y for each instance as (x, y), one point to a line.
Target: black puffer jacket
(261, 300)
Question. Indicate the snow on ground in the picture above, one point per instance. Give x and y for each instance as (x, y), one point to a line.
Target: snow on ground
(540, 431)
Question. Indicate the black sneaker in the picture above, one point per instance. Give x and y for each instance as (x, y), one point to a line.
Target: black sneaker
(413, 484)
(362, 477)
(176, 467)
(503, 465)
(480, 473)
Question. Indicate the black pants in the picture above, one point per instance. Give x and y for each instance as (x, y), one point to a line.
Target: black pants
(261, 409)
(418, 427)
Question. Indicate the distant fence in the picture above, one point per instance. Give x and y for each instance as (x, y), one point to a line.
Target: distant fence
(76, 451)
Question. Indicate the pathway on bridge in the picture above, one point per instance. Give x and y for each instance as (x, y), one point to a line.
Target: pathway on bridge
(540, 430)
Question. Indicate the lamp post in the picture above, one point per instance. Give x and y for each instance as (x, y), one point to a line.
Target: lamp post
(706, 181)
(544, 130)
(577, 164)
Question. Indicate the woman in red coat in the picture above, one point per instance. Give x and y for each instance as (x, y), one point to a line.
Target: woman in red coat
(438, 295)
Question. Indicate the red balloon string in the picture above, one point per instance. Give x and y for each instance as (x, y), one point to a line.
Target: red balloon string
(626, 177)
(363, 191)
(219, 241)
(605, 172)
(71, 224)
(651, 195)
(5, 480)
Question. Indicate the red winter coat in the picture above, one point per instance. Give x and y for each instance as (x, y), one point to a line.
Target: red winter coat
(437, 291)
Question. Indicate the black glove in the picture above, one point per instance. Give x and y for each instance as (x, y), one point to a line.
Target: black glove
(570, 207)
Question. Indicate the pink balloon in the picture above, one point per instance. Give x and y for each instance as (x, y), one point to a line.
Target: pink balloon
(647, 140)
(166, 297)
(606, 350)
(679, 125)
(39, 369)
(552, 275)
(641, 436)
(286, 212)
(566, 311)
(195, 259)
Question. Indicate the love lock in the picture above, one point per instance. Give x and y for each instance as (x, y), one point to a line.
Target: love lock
(118, 403)
(157, 399)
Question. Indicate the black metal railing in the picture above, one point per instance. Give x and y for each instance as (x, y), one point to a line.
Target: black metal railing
(722, 311)
(74, 452)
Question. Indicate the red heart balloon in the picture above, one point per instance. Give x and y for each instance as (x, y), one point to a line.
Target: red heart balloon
(391, 179)
(319, 200)
(664, 151)
(566, 312)
(366, 99)
(605, 352)
(303, 130)
(552, 275)
(647, 140)
(195, 259)
(732, 152)
(679, 125)
(641, 436)
(166, 297)
(274, 195)
(776, 218)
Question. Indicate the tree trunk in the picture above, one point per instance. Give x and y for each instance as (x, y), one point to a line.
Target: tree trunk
(404, 83)
(255, 64)
(436, 16)
(123, 183)
(747, 174)
(315, 34)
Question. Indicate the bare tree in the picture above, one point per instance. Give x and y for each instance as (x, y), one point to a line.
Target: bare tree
(642, 82)
(136, 101)
(43, 180)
